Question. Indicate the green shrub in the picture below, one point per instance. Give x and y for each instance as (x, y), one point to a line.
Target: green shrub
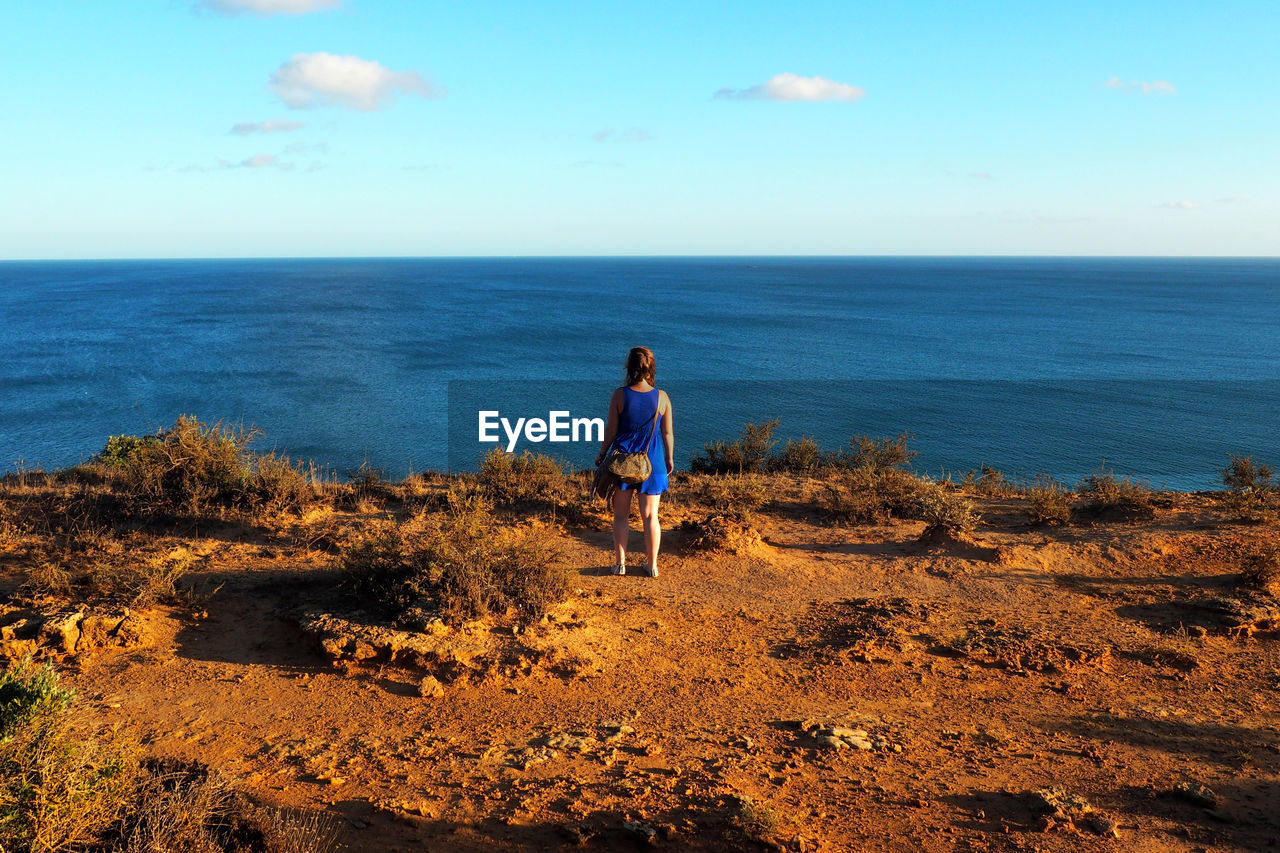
(749, 454)
(461, 561)
(753, 821)
(122, 450)
(1251, 489)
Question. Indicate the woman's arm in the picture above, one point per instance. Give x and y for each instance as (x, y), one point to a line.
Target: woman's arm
(611, 426)
(669, 435)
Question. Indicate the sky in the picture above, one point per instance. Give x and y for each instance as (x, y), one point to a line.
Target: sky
(277, 128)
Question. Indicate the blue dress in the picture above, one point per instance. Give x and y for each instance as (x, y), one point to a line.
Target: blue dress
(634, 423)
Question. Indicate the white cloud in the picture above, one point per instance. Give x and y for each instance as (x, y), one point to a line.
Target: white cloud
(793, 87)
(1180, 205)
(275, 125)
(270, 7)
(320, 79)
(636, 134)
(1142, 87)
(257, 161)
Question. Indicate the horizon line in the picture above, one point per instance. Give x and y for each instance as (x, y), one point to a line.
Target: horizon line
(603, 256)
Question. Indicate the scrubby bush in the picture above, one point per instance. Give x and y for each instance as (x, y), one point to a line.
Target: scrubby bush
(945, 513)
(1106, 495)
(122, 450)
(740, 494)
(65, 785)
(866, 495)
(1048, 502)
(749, 454)
(1260, 567)
(987, 481)
(194, 467)
(461, 561)
(799, 456)
(1243, 474)
(1251, 489)
(524, 478)
(60, 787)
(879, 454)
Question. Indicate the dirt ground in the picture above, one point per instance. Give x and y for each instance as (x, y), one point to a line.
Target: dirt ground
(831, 688)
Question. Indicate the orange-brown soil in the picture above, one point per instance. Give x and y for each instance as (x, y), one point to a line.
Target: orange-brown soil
(704, 709)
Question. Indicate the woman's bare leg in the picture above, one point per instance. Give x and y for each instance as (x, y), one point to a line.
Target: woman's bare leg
(621, 525)
(652, 531)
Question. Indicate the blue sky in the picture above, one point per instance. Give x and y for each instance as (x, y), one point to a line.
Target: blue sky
(402, 127)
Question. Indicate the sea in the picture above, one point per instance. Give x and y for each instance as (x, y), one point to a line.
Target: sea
(1155, 368)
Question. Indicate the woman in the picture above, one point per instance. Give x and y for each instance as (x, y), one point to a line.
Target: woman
(631, 428)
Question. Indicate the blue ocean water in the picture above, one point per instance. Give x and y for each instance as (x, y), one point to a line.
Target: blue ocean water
(1159, 366)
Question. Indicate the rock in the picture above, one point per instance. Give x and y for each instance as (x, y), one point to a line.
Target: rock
(641, 830)
(439, 648)
(1102, 825)
(832, 742)
(20, 629)
(1194, 792)
(132, 632)
(1059, 803)
(619, 732)
(61, 631)
(838, 732)
(431, 688)
(98, 630)
(579, 743)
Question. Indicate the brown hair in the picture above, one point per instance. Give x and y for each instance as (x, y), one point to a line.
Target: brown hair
(641, 365)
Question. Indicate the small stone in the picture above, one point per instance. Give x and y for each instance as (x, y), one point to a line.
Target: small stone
(1102, 825)
(836, 732)
(642, 830)
(431, 688)
(1194, 792)
(833, 742)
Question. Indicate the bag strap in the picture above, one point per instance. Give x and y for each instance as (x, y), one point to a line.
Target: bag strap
(653, 428)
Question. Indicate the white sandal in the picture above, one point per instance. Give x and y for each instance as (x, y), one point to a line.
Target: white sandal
(620, 569)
